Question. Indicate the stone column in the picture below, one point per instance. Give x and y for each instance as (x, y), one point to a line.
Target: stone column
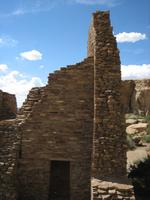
(109, 151)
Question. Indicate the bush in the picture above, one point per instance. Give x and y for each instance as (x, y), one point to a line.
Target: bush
(147, 118)
(146, 138)
(130, 143)
(140, 175)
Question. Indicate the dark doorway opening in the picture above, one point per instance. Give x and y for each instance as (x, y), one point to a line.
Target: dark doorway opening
(59, 180)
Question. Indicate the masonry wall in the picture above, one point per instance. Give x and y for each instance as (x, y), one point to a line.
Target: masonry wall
(8, 105)
(109, 156)
(33, 97)
(9, 140)
(59, 127)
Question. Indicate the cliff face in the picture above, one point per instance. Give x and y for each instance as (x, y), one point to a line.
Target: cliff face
(8, 105)
(135, 96)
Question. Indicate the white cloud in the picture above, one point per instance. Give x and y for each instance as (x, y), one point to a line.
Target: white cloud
(31, 55)
(135, 71)
(16, 83)
(98, 2)
(130, 37)
(7, 41)
(3, 68)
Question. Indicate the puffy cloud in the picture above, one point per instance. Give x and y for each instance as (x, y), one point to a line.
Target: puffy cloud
(3, 67)
(7, 41)
(135, 71)
(31, 55)
(130, 37)
(98, 2)
(16, 83)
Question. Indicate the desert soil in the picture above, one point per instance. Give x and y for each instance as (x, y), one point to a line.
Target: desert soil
(138, 154)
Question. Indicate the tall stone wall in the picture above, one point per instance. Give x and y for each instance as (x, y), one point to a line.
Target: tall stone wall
(8, 105)
(59, 127)
(109, 156)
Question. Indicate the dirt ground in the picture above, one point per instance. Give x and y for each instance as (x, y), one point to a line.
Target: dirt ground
(138, 154)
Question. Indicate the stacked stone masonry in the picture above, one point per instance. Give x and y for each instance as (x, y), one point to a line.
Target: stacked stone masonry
(109, 131)
(72, 126)
(9, 143)
(103, 190)
(59, 127)
(8, 105)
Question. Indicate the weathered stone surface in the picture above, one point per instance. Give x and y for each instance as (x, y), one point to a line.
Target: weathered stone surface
(135, 96)
(9, 141)
(127, 95)
(112, 190)
(108, 120)
(8, 105)
(59, 127)
(137, 128)
(75, 118)
(131, 121)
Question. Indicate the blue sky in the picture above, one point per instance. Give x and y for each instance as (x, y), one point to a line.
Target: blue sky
(40, 36)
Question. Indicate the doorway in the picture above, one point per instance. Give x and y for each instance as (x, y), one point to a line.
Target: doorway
(59, 180)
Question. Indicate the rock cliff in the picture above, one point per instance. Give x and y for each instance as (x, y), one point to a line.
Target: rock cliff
(136, 96)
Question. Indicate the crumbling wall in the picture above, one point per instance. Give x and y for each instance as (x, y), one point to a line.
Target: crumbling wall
(91, 40)
(59, 127)
(9, 143)
(33, 97)
(109, 156)
(8, 105)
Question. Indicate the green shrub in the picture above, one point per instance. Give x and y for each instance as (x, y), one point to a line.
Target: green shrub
(130, 143)
(147, 118)
(146, 138)
(140, 175)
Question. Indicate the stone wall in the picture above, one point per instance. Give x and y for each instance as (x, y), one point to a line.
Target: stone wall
(59, 127)
(109, 156)
(91, 40)
(9, 141)
(33, 97)
(8, 105)
(79, 105)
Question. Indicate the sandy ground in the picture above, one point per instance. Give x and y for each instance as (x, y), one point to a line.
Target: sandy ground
(138, 154)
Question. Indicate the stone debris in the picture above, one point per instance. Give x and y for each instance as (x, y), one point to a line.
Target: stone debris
(103, 190)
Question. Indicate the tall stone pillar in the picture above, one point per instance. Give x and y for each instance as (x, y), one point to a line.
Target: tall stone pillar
(109, 146)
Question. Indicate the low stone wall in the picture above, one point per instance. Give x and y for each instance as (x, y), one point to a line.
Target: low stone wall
(103, 190)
